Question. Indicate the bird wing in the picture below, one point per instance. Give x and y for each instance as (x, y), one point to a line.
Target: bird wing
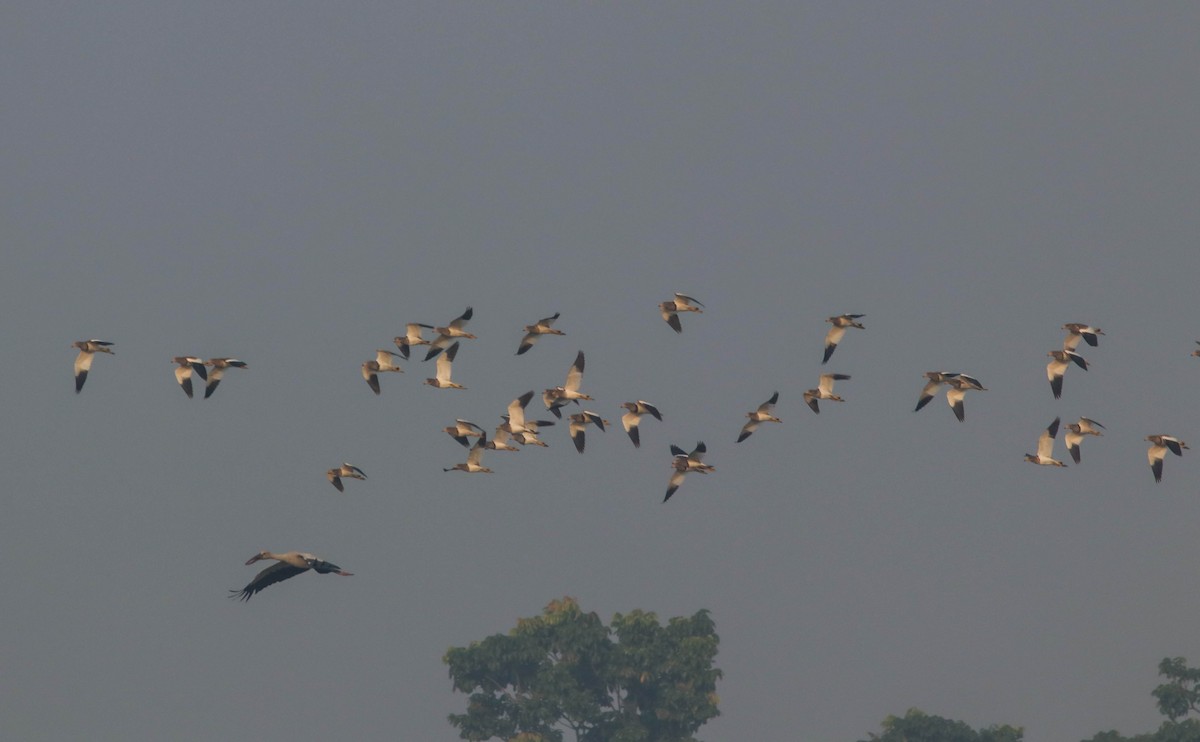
(443, 366)
(277, 572)
(832, 338)
(335, 480)
(766, 407)
(575, 374)
(370, 377)
(747, 429)
(810, 398)
(527, 342)
(672, 319)
(463, 318)
(577, 434)
(630, 421)
(928, 392)
(1172, 444)
(1045, 446)
(1155, 457)
(676, 480)
(954, 396)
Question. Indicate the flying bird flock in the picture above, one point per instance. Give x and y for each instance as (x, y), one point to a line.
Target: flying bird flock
(517, 429)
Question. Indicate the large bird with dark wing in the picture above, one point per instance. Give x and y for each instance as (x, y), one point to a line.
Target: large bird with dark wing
(288, 564)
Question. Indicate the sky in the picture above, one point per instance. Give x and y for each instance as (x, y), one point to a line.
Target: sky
(290, 184)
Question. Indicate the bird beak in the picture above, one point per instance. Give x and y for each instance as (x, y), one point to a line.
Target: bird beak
(254, 559)
(344, 573)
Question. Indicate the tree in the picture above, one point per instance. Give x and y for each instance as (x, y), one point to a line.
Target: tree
(918, 726)
(1176, 698)
(633, 681)
(1179, 696)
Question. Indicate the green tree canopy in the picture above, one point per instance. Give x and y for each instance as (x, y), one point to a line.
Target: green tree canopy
(1176, 699)
(633, 681)
(918, 726)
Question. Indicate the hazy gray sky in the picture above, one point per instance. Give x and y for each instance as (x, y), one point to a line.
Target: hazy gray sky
(289, 183)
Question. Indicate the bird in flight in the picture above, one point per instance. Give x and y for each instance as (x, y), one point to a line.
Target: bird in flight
(288, 564)
(83, 362)
(1077, 431)
(218, 370)
(449, 332)
(183, 374)
(1159, 445)
(683, 462)
(824, 390)
(764, 414)
(633, 418)
(834, 336)
(1057, 368)
(671, 309)
(536, 330)
(444, 361)
(349, 471)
